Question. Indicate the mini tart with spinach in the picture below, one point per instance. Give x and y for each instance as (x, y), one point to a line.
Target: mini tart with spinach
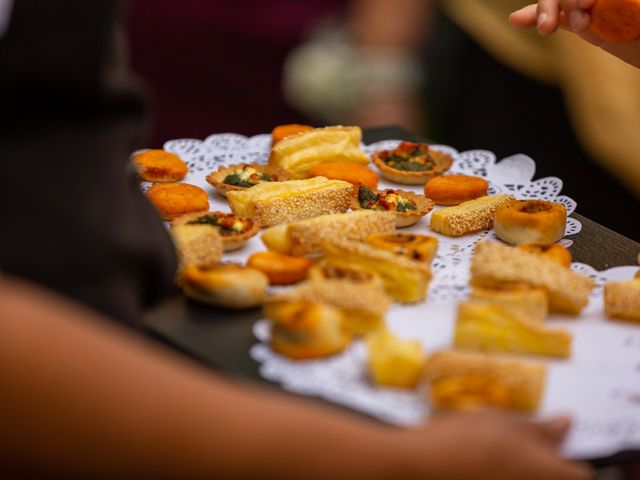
(408, 207)
(412, 163)
(244, 175)
(234, 229)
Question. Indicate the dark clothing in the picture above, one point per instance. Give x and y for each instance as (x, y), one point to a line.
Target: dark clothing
(478, 102)
(72, 216)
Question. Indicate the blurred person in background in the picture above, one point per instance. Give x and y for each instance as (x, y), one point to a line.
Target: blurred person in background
(457, 72)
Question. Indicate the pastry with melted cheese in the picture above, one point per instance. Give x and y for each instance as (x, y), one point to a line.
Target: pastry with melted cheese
(405, 280)
(494, 266)
(467, 217)
(280, 202)
(306, 236)
(490, 328)
(622, 300)
(297, 154)
(465, 380)
(393, 362)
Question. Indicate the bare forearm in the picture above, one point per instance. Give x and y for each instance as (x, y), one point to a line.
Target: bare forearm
(84, 399)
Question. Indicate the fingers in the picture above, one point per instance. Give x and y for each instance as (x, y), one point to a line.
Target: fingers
(526, 17)
(547, 16)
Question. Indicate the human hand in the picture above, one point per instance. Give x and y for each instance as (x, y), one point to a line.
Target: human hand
(574, 15)
(495, 447)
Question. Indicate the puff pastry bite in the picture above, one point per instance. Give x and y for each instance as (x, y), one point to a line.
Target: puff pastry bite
(412, 163)
(519, 300)
(307, 236)
(405, 280)
(482, 326)
(281, 269)
(530, 221)
(494, 265)
(305, 330)
(357, 292)
(297, 154)
(465, 380)
(199, 245)
(393, 362)
(407, 207)
(243, 176)
(160, 166)
(555, 252)
(280, 202)
(422, 248)
(622, 300)
(227, 285)
(234, 230)
(467, 217)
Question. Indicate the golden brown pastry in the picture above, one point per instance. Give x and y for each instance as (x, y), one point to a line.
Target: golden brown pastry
(520, 300)
(494, 265)
(305, 330)
(530, 221)
(227, 285)
(159, 166)
(281, 269)
(172, 200)
(407, 207)
(284, 131)
(455, 189)
(467, 217)
(243, 176)
(421, 248)
(412, 163)
(353, 173)
(297, 154)
(280, 202)
(487, 327)
(393, 362)
(622, 300)
(555, 252)
(307, 236)
(234, 229)
(198, 245)
(405, 280)
(465, 380)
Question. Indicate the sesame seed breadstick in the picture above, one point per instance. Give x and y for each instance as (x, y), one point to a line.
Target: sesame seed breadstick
(622, 300)
(467, 217)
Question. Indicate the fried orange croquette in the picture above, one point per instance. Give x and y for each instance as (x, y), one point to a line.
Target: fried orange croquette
(175, 199)
(160, 166)
(616, 21)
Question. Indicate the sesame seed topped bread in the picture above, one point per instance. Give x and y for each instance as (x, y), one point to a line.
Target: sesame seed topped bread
(622, 300)
(298, 153)
(279, 202)
(467, 217)
(199, 245)
(306, 236)
(494, 265)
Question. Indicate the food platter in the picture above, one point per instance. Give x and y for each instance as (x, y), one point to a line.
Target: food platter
(599, 385)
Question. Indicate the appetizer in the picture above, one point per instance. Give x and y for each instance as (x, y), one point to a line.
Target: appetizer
(519, 300)
(349, 172)
(467, 217)
(530, 221)
(616, 21)
(422, 248)
(279, 202)
(455, 189)
(284, 131)
(393, 362)
(199, 245)
(299, 153)
(622, 300)
(172, 200)
(279, 268)
(234, 230)
(555, 252)
(494, 265)
(307, 236)
(243, 176)
(408, 207)
(482, 326)
(159, 166)
(412, 163)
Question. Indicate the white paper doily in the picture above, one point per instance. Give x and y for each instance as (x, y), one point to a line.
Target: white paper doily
(600, 390)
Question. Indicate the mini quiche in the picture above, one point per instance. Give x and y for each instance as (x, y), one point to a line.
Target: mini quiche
(408, 207)
(234, 229)
(244, 175)
(412, 163)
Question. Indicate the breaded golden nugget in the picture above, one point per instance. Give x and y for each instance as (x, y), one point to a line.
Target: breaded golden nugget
(160, 166)
(175, 199)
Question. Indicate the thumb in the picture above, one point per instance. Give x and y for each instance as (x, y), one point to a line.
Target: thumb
(551, 431)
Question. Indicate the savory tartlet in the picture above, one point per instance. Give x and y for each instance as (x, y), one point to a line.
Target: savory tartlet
(412, 163)
(408, 207)
(234, 229)
(244, 175)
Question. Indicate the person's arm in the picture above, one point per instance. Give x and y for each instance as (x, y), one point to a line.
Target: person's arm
(82, 398)
(549, 15)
